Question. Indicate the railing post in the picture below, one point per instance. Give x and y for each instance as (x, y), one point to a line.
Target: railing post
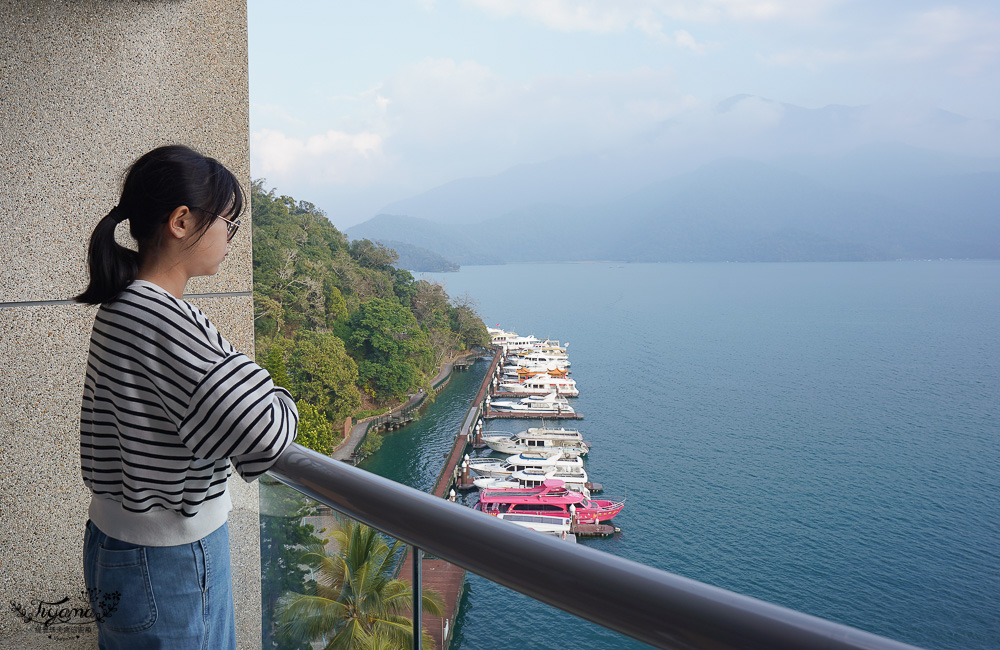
(418, 590)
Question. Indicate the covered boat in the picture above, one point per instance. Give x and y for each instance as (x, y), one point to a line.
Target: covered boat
(556, 526)
(531, 477)
(542, 384)
(550, 404)
(567, 441)
(549, 459)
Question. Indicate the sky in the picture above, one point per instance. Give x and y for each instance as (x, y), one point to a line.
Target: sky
(354, 105)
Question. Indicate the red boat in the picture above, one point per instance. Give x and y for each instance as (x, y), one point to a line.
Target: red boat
(551, 498)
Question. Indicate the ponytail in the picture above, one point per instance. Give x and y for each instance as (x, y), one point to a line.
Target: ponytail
(154, 185)
(112, 266)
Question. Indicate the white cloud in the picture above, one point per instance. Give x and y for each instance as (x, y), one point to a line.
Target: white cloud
(964, 42)
(970, 41)
(333, 157)
(276, 113)
(440, 118)
(488, 122)
(684, 39)
(649, 16)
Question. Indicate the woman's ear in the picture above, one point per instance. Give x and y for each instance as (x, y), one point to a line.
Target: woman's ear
(180, 223)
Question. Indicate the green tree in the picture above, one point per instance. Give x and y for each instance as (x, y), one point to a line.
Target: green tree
(371, 444)
(310, 281)
(392, 349)
(373, 255)
(353, 600)
(324, 374)
(273, 353)
(315, 430)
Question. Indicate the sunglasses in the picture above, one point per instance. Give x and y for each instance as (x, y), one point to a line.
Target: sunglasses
(231, 226)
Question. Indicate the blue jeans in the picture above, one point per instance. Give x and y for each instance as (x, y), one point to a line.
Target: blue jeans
(169, 597)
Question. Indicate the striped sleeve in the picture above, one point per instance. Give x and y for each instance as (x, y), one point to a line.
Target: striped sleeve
(237, 412)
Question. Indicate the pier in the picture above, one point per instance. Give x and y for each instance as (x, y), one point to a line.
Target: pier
(437, 575)
(440, 576)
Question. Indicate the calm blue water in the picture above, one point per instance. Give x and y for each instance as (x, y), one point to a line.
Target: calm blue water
(820, 436)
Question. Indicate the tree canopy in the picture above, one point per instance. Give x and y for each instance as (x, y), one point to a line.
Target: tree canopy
(337, 323)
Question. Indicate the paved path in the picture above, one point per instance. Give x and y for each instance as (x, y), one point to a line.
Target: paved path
(346, 449)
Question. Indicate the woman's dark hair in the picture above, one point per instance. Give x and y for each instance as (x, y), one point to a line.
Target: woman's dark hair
(154, 186)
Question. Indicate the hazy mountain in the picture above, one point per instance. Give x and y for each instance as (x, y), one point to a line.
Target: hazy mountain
(451, 243)
(813, 190)
(417, 258)
(572, 180)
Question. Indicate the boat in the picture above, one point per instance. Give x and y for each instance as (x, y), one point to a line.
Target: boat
(523, 373)
(511, 341)
(520, 373)
(556, 526)
(532, 477)
(503, 468)
(551, 346)
(541, 384)
(568, 441)
(541, 353)
(510, 371)
(552, 498)
(550, 404)
(538, 360)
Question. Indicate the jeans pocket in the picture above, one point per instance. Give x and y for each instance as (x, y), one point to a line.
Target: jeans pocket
(125, 574)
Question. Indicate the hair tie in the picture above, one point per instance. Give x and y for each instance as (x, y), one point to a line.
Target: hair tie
(118, 214)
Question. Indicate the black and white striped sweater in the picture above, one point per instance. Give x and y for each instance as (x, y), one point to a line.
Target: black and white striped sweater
(167, 402)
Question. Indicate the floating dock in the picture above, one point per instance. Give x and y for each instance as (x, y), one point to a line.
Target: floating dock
(593, 530)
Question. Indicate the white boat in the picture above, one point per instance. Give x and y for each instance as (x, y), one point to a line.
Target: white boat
(503, 468)
(542, 352)
(550, 404)
(551, 346)
(542, 384)
(539, 360)
(510, 341)
(532, 477)
(548, 524)
(568, 441)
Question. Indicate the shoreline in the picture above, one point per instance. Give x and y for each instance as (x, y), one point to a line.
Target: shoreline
(349, 445)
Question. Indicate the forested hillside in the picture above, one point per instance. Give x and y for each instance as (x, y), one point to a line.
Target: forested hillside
(337, 324)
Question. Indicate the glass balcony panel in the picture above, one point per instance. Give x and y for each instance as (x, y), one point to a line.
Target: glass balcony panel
(493, 616)
(305, 599)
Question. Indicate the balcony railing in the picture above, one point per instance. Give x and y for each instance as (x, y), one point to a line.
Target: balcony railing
(653, 606)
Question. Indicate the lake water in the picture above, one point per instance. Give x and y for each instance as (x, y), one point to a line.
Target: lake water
(820, 436)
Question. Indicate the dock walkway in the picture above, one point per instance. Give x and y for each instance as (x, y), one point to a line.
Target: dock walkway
(443, 577)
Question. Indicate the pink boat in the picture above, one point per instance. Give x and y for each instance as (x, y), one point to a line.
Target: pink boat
(551, 498)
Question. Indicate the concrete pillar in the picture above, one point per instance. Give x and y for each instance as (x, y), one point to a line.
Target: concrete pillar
(86, 87)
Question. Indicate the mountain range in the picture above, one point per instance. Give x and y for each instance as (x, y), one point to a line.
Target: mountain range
(808, 187)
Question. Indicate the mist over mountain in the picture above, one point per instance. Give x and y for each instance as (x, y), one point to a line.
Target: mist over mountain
(754, 181)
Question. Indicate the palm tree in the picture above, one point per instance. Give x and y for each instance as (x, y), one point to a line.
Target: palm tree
(353, 600)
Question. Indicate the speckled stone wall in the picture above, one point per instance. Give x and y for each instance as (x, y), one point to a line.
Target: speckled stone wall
(86, 86)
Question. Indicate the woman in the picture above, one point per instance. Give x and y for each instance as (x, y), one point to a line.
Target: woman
(167, 403)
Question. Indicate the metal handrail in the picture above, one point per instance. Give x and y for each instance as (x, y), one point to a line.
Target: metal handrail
(653, 606)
